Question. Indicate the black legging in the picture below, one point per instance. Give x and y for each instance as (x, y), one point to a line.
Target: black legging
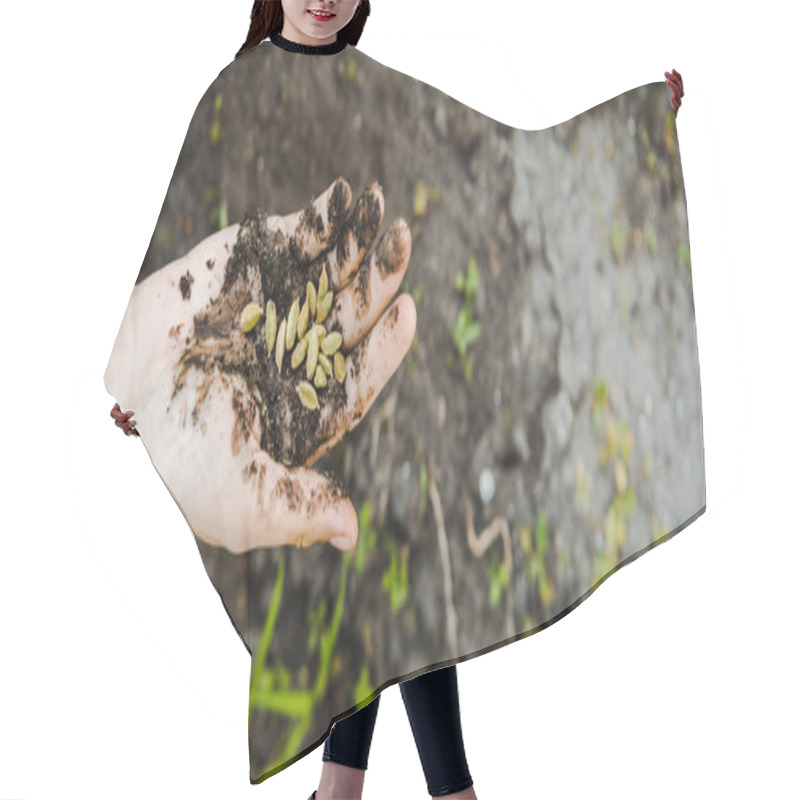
(432, 706)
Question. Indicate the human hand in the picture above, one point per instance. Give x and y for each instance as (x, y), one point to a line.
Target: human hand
(675, 82)
(123, 420)
(209, 394)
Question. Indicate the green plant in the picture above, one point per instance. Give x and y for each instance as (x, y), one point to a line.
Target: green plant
(271, 685)
(424, 195)
(537, 567)
(367, 536)
(216, 126)
(316, 617)
(219, 214)
(395, 578)
(363, 689)
(466, 330)
(615, 450)
(583, 486)
(498, 579)
(600, 402)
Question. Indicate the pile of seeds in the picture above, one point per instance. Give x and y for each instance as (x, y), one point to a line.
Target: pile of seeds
(302, 329)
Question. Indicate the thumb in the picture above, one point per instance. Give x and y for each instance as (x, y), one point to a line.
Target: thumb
(307, 506)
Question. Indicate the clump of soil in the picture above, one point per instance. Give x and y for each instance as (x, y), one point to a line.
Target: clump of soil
(264, 265)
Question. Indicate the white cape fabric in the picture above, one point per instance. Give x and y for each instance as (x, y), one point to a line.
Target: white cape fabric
(488, 385)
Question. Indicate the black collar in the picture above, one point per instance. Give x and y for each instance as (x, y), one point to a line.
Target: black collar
(310, 49)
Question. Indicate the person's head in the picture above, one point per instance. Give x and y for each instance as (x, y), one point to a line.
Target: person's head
(294, 20)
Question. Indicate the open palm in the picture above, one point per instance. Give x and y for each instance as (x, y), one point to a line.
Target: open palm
(224, 424)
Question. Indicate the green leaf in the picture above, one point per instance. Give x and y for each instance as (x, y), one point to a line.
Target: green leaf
(365, 514)
(472, 332)
(472, 277)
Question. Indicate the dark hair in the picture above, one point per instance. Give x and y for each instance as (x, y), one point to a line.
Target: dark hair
(266, 19)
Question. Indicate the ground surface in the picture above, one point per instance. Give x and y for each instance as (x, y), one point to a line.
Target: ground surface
(579, 435)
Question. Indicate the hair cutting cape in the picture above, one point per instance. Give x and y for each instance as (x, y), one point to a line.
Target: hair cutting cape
(371, 311)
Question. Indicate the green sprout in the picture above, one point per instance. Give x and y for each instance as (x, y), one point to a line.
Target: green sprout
(498, 579)
(600, 403)
(367, 536)
(216, 126)
(395, 578)
(466, 330)
(316, 618)
(363, 689)
(537, 568)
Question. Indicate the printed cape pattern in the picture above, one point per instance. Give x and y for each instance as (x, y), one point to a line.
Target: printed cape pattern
(490, 375)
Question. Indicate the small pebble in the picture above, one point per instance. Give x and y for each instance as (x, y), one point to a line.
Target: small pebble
(486, 486)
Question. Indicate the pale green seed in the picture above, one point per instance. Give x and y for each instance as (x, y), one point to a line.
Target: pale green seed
(339, 366)
(323, 283)
(302, 319)
(251, 314)
(291, 324)
(324, 305)
(319, 331)
(280, 344)
(327, 366)
(319, 377)
(299, 352)
(311, 356)
(308, 395)
(331, 343)
(271, 326)
(311, 296)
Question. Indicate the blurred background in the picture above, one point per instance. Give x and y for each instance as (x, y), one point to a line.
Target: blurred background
(116, 652)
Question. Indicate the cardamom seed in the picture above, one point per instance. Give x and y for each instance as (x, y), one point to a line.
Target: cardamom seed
(271, 326)
(324, 305)
(299, 352)
(339, 368)
(327, 366)
(302, 319)
(323, 283)
(308, 395)
(319, 377)
(311, 356)
(311, 296)
(331, 343)
(280, 344)
(251, 314)
(291, 324)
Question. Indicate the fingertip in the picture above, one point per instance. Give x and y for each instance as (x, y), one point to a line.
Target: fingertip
(343, 543)
(347, 536)
(408, 309)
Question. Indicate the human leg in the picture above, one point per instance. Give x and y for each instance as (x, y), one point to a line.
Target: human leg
(433, 709)
(346, 753)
